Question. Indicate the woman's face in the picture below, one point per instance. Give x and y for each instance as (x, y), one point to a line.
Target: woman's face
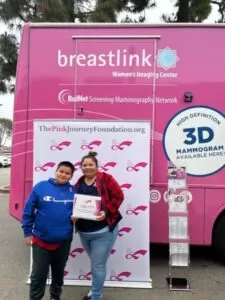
(89, 167)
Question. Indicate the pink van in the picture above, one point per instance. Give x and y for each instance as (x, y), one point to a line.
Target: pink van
(172, 75)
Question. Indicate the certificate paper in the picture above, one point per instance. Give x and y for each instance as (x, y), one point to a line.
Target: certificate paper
(86, 207)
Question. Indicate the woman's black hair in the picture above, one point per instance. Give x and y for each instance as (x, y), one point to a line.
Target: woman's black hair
(67, 164)
(92, 155)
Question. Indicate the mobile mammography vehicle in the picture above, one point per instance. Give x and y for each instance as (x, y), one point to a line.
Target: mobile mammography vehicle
(171, 75)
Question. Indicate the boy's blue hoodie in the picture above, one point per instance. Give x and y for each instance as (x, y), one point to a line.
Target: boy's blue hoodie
(48, 210)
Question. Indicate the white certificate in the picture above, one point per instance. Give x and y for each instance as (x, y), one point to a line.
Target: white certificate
(86, 207)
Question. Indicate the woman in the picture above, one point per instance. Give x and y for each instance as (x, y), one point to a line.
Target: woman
(98, 237)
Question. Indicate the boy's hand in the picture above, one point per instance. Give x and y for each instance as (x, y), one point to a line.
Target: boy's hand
(74, 219)
(101, 216)
(28, 240)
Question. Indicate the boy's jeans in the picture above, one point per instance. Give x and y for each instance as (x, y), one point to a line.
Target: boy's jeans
(98, 247)
(42, 259)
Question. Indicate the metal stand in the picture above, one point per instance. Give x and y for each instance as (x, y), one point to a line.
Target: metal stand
(179, 283)
(179, 249)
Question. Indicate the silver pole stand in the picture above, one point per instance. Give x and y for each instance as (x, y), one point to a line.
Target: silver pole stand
(179, 248)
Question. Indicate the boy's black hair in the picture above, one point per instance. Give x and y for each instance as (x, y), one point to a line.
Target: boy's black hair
(67, 164)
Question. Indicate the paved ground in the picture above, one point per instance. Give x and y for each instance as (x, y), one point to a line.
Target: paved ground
(4, 176)
(207, 276)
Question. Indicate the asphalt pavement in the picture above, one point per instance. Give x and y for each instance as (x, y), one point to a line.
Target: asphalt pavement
(4, 176)
(207, 277)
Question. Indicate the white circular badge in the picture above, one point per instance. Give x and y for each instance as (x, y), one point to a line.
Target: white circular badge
(195, 138)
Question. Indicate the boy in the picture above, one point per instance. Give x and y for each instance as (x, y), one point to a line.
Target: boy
(48, 228)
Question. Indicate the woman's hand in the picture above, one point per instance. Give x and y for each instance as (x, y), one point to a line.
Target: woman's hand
(28, 240)
(101, 216)
(74, 219)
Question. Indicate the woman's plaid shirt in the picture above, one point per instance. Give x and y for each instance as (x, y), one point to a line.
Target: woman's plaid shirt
(111, 194)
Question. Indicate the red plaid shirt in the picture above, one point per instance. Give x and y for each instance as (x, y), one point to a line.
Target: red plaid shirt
(111, 194)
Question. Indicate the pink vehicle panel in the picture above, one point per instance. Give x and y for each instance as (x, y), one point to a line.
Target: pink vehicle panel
(133, 72)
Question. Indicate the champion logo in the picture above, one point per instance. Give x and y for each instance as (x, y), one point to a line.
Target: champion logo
(107, 166)
(48, 198)
(125, 186)
(136, 167)
(136, 211)
(85, 276)
(60, 146)
(91, 145)
(44, 167)
(136, 254)
(121, 276)
(124, 230)
(121, 146)
(76, 251)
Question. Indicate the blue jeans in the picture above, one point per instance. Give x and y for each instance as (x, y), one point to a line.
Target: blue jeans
(98, 247)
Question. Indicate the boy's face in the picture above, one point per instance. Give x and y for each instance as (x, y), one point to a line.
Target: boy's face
(63, 174)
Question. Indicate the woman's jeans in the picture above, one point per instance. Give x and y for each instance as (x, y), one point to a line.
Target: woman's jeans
(98, 247)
